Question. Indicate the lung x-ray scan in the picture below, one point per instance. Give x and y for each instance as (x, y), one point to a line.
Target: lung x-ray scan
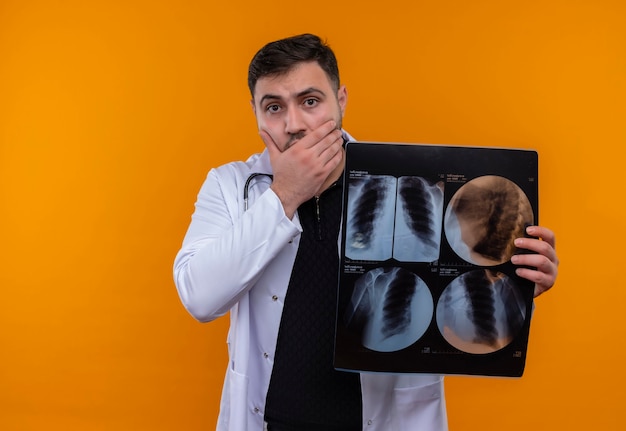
(426, 282)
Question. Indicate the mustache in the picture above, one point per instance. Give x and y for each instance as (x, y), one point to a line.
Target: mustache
(293, 138)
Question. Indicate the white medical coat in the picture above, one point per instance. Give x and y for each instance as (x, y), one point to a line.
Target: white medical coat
(241, 261)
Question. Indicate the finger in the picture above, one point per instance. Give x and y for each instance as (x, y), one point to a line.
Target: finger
(538, 277)
(539, 262)
(542, 271)
(269, 142)
(536, 268)
(318, 135)
(327, 149)
(543, 233)
(330, 150)
(540, 247)
(542, 280)
(325, 129)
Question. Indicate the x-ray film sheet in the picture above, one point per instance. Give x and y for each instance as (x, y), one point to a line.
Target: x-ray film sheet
(426, 284)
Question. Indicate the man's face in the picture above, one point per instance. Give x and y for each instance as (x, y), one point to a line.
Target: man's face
(291, 105)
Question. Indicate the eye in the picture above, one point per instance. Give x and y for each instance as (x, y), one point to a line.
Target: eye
(310, 102)
(272, 108)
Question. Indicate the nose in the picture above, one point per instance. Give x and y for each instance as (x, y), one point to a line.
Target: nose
(294, 122)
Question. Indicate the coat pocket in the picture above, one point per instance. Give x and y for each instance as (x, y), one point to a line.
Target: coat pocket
(420, 407)
(233, 407)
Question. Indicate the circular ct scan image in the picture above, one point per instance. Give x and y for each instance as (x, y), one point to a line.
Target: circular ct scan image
(481, 311)
(391, 307)
(484, 217)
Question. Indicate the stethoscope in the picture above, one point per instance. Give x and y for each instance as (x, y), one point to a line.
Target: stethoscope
(247, 185)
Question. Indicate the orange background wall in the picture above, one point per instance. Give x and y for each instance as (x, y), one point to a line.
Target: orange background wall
(112, 112)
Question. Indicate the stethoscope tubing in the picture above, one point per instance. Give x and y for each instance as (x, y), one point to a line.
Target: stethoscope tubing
(247, 185)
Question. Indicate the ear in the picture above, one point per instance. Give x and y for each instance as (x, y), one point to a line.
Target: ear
(253, 106)
(342, 98)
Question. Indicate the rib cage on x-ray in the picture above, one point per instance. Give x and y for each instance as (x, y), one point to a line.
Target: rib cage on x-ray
(396, 316)
(366, 211)
(369, 231)
(419, 210)
(481, 311)
(389, 217)
(392, 307)
(419, 215)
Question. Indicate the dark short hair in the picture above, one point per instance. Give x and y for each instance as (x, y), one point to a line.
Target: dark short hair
(281, 56)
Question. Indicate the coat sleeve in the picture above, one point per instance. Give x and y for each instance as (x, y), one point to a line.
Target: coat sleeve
(225, 249)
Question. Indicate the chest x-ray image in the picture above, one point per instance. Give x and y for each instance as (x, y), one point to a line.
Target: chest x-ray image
(481, 311)
(419, 213)
(484, 217)
(392, 307)
(371, 209)
(394, 217)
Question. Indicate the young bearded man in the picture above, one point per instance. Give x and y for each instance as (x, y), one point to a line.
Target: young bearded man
(263, 245)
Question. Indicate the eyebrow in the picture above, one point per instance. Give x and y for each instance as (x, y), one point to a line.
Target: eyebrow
(302, 93)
